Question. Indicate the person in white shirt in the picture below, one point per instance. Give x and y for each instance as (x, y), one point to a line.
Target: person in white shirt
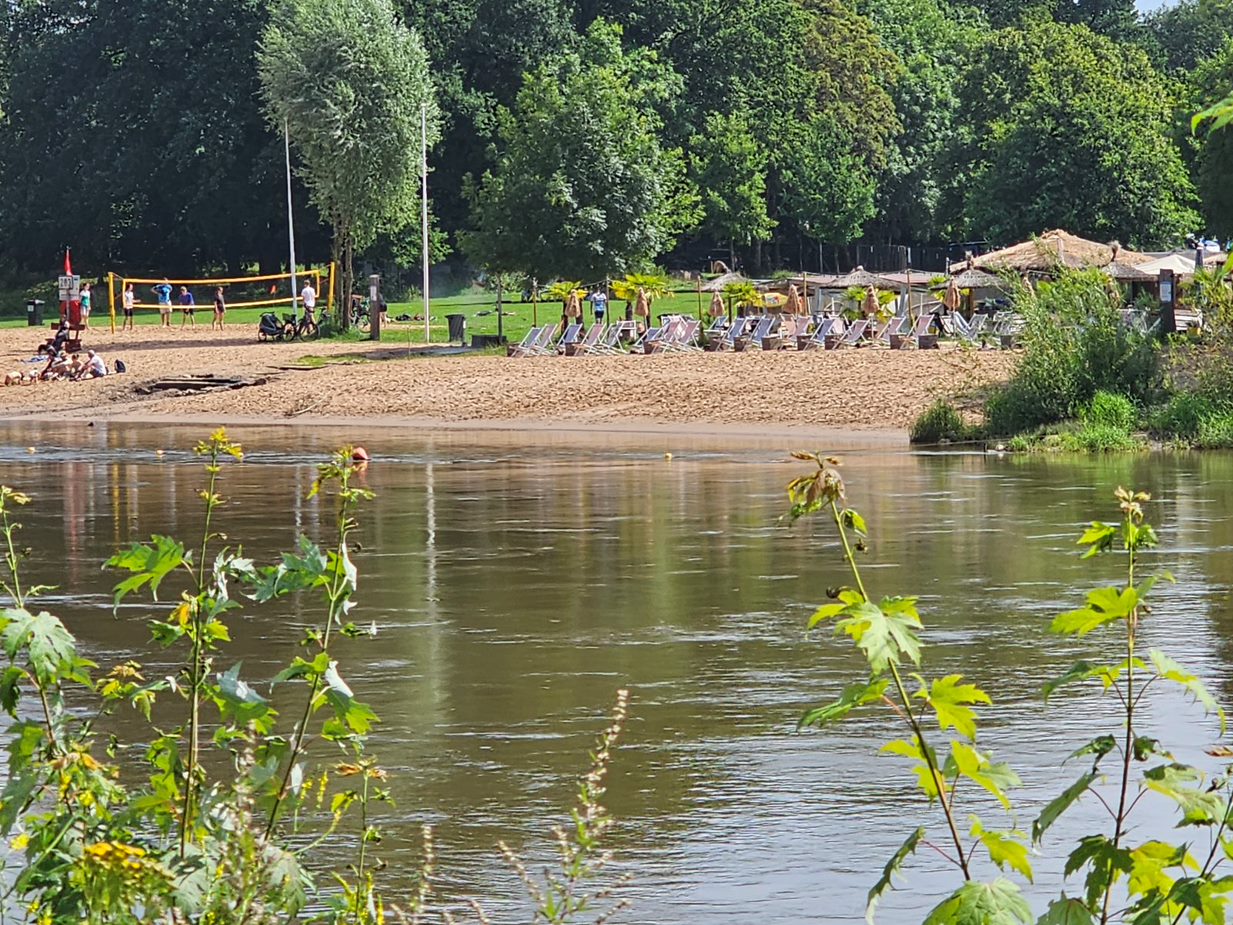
(95, 367)
(308, 295)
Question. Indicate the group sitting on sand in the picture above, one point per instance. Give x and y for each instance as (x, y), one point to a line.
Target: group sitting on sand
(62, 366)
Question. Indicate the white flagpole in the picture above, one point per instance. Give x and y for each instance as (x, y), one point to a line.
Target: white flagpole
(424, 210)
(295, 306)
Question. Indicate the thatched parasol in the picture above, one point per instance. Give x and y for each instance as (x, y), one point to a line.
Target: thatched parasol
(717, 306)
(794, 306)
(862, 278)
(977, 279)
(871, 305)
(719, 282)
(952, 297)
(1051, 250)
(642, 306)
(573, 308)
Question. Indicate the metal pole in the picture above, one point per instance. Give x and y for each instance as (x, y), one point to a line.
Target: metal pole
(424, 211)
(295, 306)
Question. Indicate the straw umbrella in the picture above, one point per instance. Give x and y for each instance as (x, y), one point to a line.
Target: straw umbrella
(952, 297)
(642, 307)
(794, 306)
(717, 306)
(871, 305)
(573, 309)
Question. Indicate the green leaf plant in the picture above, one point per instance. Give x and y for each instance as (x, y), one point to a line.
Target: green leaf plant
(942, 710)
(1147, 882)
(180, 837)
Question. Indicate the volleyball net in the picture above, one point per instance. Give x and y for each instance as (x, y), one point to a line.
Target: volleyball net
(261, 291)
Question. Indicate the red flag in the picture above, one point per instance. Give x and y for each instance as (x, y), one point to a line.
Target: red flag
(68, 263)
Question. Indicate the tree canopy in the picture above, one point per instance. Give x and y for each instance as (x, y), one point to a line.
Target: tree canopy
(595, 137)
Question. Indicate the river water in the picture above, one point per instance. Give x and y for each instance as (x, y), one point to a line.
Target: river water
(518, 580)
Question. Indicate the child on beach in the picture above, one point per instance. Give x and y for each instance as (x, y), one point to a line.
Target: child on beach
(220, 309)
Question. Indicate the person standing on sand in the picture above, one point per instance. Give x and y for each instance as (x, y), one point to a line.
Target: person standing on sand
(163, 292)
(85, 305)
(129, 299)
(220, 309)
(308, 295)
(188, 306)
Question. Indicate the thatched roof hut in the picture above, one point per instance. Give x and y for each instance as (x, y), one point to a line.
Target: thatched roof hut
(1126, 273)
(1051, 250)
(726, 279)
(978, 279)
(863, 279)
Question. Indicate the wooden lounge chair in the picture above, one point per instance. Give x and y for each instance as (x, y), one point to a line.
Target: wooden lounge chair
(761, 330)
(921, 335)
(525, 347)
(587, 342)
(894, 333)
(610, 343)
(852, 336)
(573, 332)
(733, 334)
(817, 339)
(686, 339)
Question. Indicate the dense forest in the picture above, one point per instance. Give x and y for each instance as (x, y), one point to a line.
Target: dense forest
(586, 135)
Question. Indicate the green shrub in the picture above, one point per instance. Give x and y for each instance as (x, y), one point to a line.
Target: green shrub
(1074, 346)
(1182, 418)
(1111, 410)
(1098, 438)
(1215, 431)
(940, 421)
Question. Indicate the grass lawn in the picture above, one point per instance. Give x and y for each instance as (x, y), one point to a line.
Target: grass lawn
(479, 307)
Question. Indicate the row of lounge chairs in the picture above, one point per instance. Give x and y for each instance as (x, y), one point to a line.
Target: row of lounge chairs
(680, 334)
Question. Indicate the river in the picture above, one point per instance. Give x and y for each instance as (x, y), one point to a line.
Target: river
(517, 580)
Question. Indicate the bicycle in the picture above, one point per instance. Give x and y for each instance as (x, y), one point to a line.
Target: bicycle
(305, 328)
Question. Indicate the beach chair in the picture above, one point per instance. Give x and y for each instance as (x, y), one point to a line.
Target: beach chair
(544, 346)
(822, 330)
(649, 341)
(851, 337)
(922, 334)
(1007, 328)
(610, 343)
(587, 342)
(893, 333)
(762, 330)
(686, 340)
(733, 334)
(714, 332)
(785, 333)
(573, 332)
(525, 347)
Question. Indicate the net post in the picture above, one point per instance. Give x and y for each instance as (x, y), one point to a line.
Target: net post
(111, 298)
(329, 301)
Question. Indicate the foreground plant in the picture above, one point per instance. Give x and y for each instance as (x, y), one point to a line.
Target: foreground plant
(188, 841)
(1149, 882)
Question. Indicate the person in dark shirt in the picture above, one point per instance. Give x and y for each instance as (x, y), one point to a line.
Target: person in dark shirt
(188, 305)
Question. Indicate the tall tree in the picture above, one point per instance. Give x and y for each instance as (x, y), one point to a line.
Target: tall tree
(1070, 129)
(1184, 34)
(352, 84)
(582, 187)
(730, 169)
(934, 41)
(141, 145)
(1213, 86)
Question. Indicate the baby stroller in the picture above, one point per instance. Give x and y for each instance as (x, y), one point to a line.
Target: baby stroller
(271, 328)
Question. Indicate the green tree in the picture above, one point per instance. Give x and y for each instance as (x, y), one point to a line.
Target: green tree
(730, 166)
(138, 144)
(934, 41)
(1183, 35)
(1213, 83)
(1070, 129)
(582, 186)
(352, 84)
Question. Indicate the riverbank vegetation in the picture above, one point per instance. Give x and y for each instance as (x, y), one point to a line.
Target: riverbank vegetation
(213, 813)
(1130, 870)
(1090, 378)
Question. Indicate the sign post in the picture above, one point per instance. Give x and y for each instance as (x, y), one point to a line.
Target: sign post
(374, 306)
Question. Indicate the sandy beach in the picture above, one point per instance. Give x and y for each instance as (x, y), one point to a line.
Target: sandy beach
(865, 389)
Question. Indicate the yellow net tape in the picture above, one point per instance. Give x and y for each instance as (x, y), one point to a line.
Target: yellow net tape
(219, 280)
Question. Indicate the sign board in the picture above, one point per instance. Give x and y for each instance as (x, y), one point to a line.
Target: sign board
(1166, 290)
(70, 288)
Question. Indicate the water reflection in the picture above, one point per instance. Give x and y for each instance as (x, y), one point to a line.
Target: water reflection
(518, 581)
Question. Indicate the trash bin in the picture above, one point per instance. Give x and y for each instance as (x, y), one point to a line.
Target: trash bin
(34, 313)
(458, 328)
